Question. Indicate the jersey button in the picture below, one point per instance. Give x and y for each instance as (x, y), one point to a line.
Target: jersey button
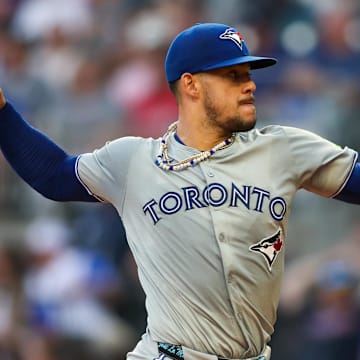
(222, 237)
(210, 174)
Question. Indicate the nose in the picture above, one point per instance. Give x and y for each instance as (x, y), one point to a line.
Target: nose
(249, 87)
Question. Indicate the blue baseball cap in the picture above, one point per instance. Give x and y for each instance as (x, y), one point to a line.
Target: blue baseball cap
(209, 46)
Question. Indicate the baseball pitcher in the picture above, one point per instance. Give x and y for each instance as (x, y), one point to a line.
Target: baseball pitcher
(205, 206)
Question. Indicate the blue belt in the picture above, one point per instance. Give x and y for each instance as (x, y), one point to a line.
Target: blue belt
(176, 352)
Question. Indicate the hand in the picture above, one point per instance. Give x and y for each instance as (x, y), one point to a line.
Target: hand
(2, 99)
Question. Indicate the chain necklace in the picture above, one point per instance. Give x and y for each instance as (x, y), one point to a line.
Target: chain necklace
(163, 160)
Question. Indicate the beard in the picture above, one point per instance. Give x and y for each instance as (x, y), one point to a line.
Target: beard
(228, 124)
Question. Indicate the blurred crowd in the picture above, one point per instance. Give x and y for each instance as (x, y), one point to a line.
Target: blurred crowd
(88, 71)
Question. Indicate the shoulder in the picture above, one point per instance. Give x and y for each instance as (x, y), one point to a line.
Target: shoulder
(121, 150)
(131, 141)
(268, 132)
(129, 144)
(289, 133)
(282, 130)
(288, 137)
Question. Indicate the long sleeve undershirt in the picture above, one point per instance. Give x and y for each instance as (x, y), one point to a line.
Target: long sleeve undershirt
(38, 160)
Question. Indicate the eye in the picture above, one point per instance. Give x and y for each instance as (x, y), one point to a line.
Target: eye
(235, 76)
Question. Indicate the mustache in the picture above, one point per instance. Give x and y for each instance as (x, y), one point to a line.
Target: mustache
(247, 100)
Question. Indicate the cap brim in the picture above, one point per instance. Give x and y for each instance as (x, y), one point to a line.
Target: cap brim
(256, 62)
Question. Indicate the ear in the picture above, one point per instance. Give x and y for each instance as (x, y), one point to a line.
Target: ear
(190, 85)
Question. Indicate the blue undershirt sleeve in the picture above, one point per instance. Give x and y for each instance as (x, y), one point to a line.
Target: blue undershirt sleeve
(351, 192)
(38, 160)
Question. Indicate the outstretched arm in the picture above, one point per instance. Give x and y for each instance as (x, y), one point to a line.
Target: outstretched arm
(37, 159)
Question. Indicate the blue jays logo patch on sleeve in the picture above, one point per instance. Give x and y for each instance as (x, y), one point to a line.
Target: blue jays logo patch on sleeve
(269, 248)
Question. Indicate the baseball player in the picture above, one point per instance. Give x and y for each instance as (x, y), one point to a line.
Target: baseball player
(205, 206)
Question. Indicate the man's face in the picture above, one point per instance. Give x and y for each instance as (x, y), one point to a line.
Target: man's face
(228, 98)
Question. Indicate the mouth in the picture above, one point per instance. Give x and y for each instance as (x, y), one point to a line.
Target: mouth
(247, 101)
(248, 106)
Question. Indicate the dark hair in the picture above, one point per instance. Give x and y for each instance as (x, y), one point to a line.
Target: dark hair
(174, 87)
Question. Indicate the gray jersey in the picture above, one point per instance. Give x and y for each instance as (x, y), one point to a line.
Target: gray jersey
(209, 241)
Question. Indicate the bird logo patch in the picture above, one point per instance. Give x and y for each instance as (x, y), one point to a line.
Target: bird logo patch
(269, 248)
(233, 35)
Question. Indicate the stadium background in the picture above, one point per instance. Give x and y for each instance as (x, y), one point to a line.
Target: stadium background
(87, 71)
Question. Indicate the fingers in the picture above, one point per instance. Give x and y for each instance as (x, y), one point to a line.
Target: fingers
(2, 99)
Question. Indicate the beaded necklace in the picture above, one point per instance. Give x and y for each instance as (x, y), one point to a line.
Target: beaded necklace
(163, 160)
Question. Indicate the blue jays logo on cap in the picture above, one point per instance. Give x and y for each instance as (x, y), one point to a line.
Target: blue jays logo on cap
(209, 46)
(233, 35)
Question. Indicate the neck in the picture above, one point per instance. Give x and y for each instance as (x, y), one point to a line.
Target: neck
(164, 161)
